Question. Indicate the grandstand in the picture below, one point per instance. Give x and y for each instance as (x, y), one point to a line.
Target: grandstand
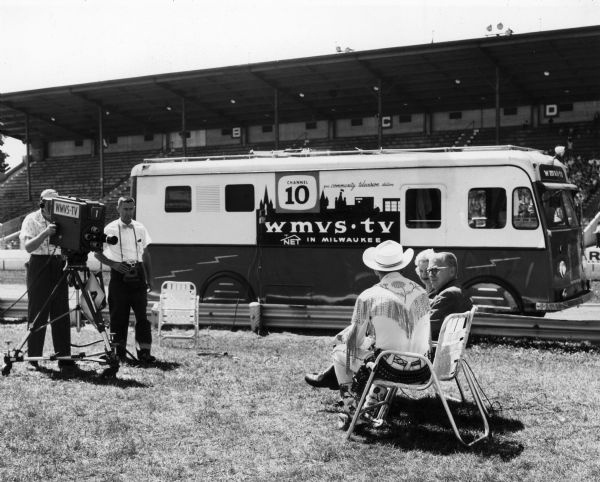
(438, 95)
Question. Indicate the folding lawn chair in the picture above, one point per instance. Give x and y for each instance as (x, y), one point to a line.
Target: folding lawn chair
(178, 310)
(447, 363)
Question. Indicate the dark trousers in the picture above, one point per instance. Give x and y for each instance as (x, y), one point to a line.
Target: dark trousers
(43, 276)
(123, 297)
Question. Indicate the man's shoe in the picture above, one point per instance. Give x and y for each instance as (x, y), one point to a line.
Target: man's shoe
(326, 379)
(145, 357)
(69, 369)
(33, 366)
(125, 360)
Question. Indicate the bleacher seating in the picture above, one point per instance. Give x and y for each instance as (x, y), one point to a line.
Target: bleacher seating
(79, 175)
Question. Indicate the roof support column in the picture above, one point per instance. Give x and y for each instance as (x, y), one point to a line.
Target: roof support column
(101, 147)
(27, 157)
(331, 129)
(427, 123)
(276, 116)
(497, 88)
(379, 114)
(183, 128)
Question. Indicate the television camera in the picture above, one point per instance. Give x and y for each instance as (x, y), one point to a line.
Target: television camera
(80, 229)
(80, 225)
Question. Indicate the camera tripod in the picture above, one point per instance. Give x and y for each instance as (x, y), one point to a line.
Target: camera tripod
(90, 296)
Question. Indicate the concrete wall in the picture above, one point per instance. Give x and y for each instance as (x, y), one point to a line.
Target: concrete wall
(215, 137)
(298, 131)
(68, 148)
(197, 139)
(135, 143)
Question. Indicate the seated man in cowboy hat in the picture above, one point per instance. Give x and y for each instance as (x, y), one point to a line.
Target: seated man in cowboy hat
(398, 301)
(328, 378)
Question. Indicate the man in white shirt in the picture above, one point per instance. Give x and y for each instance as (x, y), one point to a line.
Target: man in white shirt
(130, 280)
(48, 293)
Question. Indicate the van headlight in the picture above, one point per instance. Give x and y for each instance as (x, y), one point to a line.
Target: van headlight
(562, 269)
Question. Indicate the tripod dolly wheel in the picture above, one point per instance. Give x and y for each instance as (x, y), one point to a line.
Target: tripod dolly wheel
(110, 372)
(6, 367)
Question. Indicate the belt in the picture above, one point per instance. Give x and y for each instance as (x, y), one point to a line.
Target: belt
(47, 255)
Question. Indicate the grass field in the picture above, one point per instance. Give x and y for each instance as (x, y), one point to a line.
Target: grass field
(248, 415)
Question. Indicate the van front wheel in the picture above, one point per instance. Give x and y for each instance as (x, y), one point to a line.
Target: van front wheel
(492, 297)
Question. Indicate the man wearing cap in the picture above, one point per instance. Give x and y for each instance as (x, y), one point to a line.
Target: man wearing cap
(44, 272)
(130, 280)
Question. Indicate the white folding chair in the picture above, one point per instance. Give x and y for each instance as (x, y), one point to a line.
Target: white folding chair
(178, 311)
(447, 363)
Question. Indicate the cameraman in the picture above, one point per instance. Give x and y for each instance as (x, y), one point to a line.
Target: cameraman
(130, 280)
(45, 275)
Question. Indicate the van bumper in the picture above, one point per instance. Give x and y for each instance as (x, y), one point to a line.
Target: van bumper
(563, 305)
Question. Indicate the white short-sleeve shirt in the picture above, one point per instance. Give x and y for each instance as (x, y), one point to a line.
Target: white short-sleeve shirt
(33, 224)
(133, 238)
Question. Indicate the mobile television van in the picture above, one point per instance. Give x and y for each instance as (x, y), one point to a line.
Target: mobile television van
(289, 228)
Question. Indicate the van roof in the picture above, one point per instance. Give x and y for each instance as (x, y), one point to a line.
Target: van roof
(307, 160)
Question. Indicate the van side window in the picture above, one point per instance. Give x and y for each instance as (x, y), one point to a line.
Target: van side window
(178, 199)
(423, 208)
(524, 215)
(487, 208)
(239, 198)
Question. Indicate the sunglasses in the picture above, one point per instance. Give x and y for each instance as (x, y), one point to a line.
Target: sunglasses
(436, 270)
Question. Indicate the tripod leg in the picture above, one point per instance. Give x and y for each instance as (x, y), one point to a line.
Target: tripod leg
(95, 317)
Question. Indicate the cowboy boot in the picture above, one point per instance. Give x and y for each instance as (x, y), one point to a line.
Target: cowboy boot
(326, 379)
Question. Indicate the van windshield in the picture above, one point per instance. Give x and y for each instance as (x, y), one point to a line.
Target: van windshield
(559, 208)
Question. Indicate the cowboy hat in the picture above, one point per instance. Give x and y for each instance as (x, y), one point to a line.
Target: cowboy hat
(387, 256)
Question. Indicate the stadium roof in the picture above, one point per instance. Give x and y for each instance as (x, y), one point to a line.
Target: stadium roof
(558, 67)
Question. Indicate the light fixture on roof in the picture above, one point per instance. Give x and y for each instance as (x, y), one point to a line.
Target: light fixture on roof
(301, 94)
(499, 26)
(169, 108)
(53, 119)
(457, 81)
(107, 112)
(567, 91)
(375, 88)
(546, 73)
(232, 101)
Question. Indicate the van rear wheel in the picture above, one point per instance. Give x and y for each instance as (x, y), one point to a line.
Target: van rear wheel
(226, 287)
